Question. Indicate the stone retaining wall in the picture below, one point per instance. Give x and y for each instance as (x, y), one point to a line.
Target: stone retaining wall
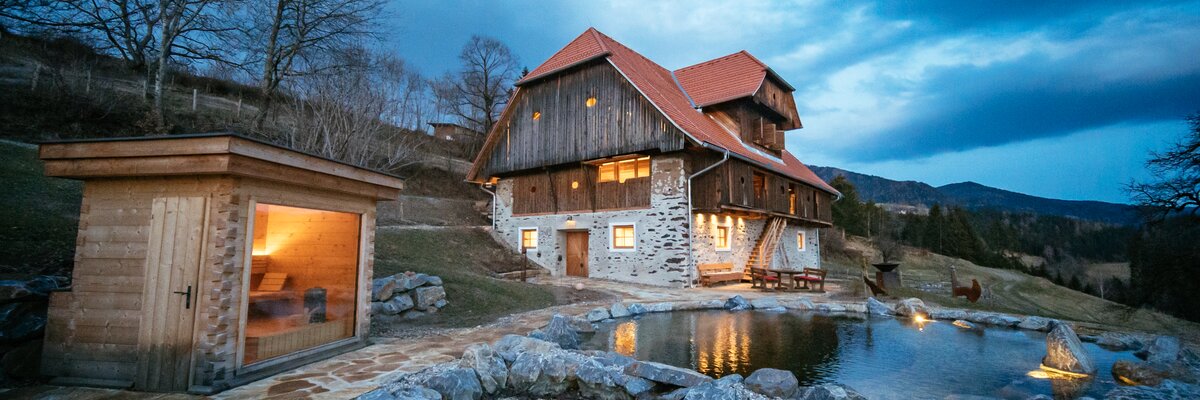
(406, 295)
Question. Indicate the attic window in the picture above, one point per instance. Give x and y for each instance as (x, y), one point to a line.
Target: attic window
(537, 115)
(619, 171)
(591, 101)
(574, 184)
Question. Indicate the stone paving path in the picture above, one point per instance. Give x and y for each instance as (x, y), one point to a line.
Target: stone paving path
(353, 373)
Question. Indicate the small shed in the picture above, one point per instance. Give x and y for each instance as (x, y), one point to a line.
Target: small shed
(207, 261)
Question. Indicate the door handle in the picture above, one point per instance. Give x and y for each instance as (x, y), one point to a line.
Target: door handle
(187, 297)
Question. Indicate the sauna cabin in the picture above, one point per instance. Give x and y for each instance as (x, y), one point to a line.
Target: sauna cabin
(207, 261)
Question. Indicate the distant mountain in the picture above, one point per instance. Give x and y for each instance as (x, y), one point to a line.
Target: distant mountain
(974, 195)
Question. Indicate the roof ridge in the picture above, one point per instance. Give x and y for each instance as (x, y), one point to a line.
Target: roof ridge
(596, 36)
(723, 58)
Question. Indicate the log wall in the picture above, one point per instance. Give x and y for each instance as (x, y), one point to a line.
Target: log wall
(575, 189)
(622, 121)
(732, 185)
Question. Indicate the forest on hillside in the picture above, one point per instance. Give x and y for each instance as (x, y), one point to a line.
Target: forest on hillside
(1162, 250)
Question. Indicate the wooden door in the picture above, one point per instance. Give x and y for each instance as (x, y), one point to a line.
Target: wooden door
(577, 254)
(173, 257)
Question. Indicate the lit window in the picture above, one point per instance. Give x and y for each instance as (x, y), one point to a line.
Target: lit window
(529, 237)
(574, 184)
(623, 237)
(800, 241)
(591, 101)
(619, 171)
(537, 115)
(722, 237)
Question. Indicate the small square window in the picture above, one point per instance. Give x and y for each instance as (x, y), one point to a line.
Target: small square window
(722, 237)
(529, 238)
(624, 237)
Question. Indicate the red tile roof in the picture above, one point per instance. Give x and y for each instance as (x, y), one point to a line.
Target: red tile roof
(659, 86)
(722, 79)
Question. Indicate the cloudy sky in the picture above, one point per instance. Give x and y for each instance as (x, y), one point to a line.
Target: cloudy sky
(1060, 99)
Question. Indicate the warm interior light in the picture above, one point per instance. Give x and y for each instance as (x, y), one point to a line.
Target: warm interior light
(537, 115)
(574, 184)
(591, 101)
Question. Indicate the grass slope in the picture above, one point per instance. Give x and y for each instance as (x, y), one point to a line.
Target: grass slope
(38, 215)
(459, 257)
(926, 275)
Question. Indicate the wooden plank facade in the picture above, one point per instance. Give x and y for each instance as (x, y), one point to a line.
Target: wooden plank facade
(576, 189)
(551, 123)
(158, 299)
(739, 186)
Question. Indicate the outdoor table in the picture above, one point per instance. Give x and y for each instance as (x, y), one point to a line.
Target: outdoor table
(789, 272)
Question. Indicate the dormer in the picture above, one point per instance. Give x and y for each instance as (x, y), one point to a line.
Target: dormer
(744, 96)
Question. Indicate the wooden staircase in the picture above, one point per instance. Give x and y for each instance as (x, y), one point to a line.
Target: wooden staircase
(764, 249)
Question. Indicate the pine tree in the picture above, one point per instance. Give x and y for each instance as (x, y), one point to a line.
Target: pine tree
(932, 237)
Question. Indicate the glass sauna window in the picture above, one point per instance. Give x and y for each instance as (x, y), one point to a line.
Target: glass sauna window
(303, 275)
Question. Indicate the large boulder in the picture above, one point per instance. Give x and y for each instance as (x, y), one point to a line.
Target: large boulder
(1167, 390)
(1163, 349)
(911, 307)
(1165, 359)
(525, 370)
(1117, 341)
(1035, 323)
(637, 309)
(409, 282)
(492, 372)
(618, 310)
(456, 384)
(395, 305)
(991, 318)
(426, 297)
(876, 307)
(828, 391)
(382, 289)
(433, 280)
(1065, 352)
(401, 393)
(510, 347)
(666, 374)
(558, 331)
(22, 321)
(772, 382)
(600, 381)
(737, 303)
(799, 304)
(598, 314)
(948, 314)
(729, 387)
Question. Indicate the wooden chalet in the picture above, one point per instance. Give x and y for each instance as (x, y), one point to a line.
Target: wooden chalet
(208, 261)
(606, 164)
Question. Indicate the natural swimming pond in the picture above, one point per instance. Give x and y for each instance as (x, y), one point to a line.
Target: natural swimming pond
(881, 357)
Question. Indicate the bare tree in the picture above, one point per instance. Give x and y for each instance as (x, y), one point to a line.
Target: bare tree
(188, 29)
(1175, 189)
(478, 92)
(123, 28)
(363, 113)
(288, 35)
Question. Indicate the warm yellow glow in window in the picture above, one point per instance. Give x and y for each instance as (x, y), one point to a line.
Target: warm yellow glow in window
(619, 171)
(622, 236)
(591, 101)
(722, 238)
(800, 241)
(529, 239)
(537, 115)
(574, 184)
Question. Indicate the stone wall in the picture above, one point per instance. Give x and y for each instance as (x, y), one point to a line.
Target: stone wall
(661, 256)
(744, 235)
(809, 257)
(406, 295)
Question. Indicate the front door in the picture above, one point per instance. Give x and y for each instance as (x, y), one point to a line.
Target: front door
(169, 296)
(577, 254)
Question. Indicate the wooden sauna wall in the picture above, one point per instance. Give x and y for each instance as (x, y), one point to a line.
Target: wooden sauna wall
(621, 122)
(268, 192)
(93, 328)
(316, 249)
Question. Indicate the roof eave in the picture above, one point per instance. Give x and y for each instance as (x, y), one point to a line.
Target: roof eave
(530, 79)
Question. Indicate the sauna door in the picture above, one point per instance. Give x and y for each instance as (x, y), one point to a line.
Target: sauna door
(170, 292)
(577, 254)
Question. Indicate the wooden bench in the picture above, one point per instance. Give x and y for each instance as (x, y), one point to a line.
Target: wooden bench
(760, 278)
(812, 275)
(711, 274)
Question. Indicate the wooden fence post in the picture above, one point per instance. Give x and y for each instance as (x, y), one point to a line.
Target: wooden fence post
(194, 93)
(239, 106)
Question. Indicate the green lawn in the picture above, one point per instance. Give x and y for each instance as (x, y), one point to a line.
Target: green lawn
(38, 215)
(459, 257)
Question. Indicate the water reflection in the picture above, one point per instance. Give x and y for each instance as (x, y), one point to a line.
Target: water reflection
(884, 358)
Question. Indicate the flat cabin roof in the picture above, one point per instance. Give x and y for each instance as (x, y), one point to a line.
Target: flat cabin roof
(223, 153)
